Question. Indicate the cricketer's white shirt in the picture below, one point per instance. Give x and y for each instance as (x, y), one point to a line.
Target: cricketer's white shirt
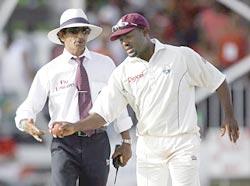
(161, 91)
(56, 80)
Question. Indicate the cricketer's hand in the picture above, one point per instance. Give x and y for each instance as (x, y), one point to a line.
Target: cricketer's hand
(125, 153)
(231, 127)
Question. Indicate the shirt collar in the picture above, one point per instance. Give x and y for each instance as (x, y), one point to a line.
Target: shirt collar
(69, 56)
(158, 45)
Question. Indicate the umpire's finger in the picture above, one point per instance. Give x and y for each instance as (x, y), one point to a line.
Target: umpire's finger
(63, 126)
(38, 138)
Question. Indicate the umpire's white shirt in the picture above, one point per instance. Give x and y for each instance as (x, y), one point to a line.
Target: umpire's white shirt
(56, 80)
(161, 91)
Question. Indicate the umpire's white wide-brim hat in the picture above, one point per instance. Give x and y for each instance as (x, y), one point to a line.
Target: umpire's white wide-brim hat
(74, 18)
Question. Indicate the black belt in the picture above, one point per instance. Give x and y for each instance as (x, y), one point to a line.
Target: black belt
(83, 134)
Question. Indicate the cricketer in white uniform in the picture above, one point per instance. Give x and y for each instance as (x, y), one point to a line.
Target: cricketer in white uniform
(159, 81)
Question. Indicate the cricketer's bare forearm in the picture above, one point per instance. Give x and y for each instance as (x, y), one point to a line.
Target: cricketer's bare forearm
(93, 121)
(125, 134)
(225, 99)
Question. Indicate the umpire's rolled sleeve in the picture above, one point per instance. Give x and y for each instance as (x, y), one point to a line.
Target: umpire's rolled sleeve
(18, 124)
(23, 116)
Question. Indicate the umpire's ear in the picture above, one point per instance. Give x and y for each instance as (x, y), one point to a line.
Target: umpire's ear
(60, 36)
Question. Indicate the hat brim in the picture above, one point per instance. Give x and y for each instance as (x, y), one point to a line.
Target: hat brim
(115, 35)
(94, 33)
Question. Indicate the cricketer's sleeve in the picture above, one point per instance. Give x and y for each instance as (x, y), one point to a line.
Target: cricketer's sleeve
(110, 103)
(123, 122)
(201, 72)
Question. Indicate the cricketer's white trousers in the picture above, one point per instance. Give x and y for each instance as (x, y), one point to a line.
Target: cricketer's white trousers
(162, 159)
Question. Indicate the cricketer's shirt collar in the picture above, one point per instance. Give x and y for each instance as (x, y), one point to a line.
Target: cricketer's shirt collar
(158, 45)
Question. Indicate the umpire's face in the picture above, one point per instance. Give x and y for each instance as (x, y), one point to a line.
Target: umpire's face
(134, 42)
(74, 39)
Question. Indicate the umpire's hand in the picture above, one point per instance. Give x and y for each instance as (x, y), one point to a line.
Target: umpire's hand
(29, 127)
(125, 153)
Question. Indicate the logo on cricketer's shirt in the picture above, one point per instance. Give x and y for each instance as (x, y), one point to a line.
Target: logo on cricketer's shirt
(193, 157)
(132, 79)
(166, 70)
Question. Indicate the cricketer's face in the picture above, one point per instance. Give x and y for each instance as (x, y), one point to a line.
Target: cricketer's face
(75, 39)
(133, 42)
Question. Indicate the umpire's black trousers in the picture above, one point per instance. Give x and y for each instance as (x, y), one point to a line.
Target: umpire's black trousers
(86, 158)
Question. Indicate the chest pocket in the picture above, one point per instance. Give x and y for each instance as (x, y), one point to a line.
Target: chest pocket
(58, 98)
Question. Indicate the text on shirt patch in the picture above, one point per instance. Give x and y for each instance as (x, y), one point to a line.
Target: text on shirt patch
(64, 84)
(135, 78)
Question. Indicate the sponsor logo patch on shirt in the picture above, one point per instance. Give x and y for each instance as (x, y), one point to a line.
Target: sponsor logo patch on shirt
(135, 78)
(63, 84)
